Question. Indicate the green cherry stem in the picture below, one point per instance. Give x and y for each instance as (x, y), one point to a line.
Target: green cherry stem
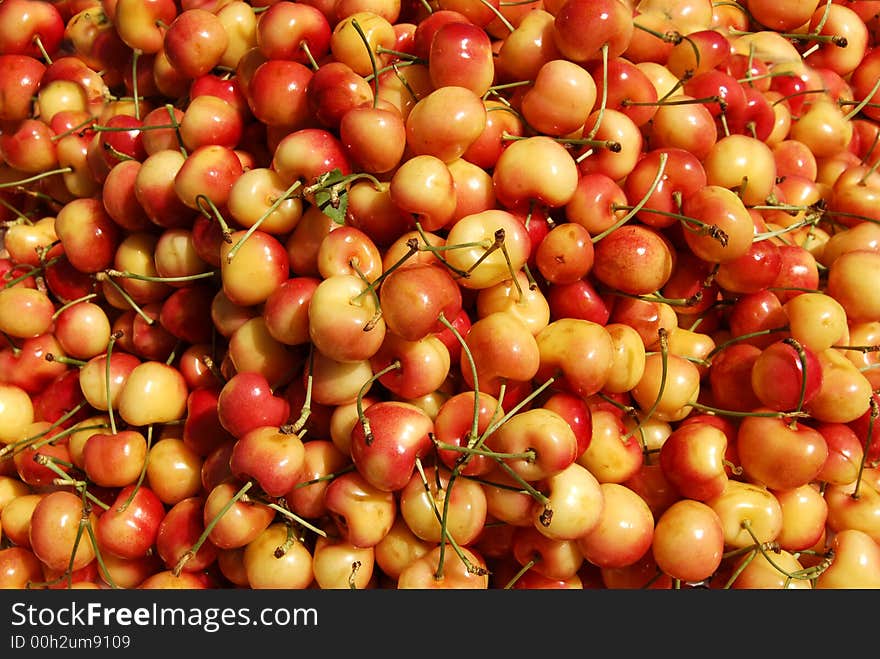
(213, 212)
(256, 225)
(363, 36)
(501, 17)
(663, 339)
(359, 401)
(528, 565)
(869, 440)
(802, 357)
(744, 337)
(125, 274)
(631, 212)
(113, 339)
(858, 108)
(64, 479)
(105, 277)
(442, 518)
(189, 554)
(36, 177)
(142, 473)
(67, 305)
(296, 518)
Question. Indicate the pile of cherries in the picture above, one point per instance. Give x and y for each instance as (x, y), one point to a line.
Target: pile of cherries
(439, 294)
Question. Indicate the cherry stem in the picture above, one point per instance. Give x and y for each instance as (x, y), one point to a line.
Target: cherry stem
(745, 337)
(289, 540)
(696, 298)
(44, 439)
(661, 168)
(802, 357)
(125, 274)
(611, 145)
(211, 365)
(360, 31)
(858, 108)
(210, 527)
(214, 212)
(803, 574)
(442, 518)
(527, 487)
(528, 565)
(105, 277)
(72, 303)
(528, 454)
(494, 89)
(537, 391)
(672, 36)
(299, 520)
(869, 439)
(802, 92)
(736, 469)
(679, 101)
(50, 462)
(325, 477)
(256, 225)
(113, 339)
(79, 128)
(142, 473)
(175, 124)
(437, 251)
(136, 53)
(466, 351)
(802, 38)
(34, 440)
(811, 220)
(36, 177)
(30, 273)
(663, 339)
(99, 557)
(64, 359)
(742, 414)
(38, 42)
(604, 101)
(306, 410)
(501, 17)
(862, 349)
(412, 249)
(359, 401)
(308, 51)
(407, 60)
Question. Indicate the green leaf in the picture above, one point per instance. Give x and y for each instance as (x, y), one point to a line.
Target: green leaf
(331, 195)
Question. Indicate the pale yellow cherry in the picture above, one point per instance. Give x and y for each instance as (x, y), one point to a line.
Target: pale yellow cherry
(16, 412)
(855, 563)
(742, 503)
(292, 570)
(154, 392)
(816, 320)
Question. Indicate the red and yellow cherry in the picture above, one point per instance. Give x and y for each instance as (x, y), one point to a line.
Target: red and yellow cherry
(688, 541)
(363, 514)
(778, 452)
(692, 458)
(236, 521)
(625, 530)
(272, 456)
(388, 441)
(55, 532)
(128, 529)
